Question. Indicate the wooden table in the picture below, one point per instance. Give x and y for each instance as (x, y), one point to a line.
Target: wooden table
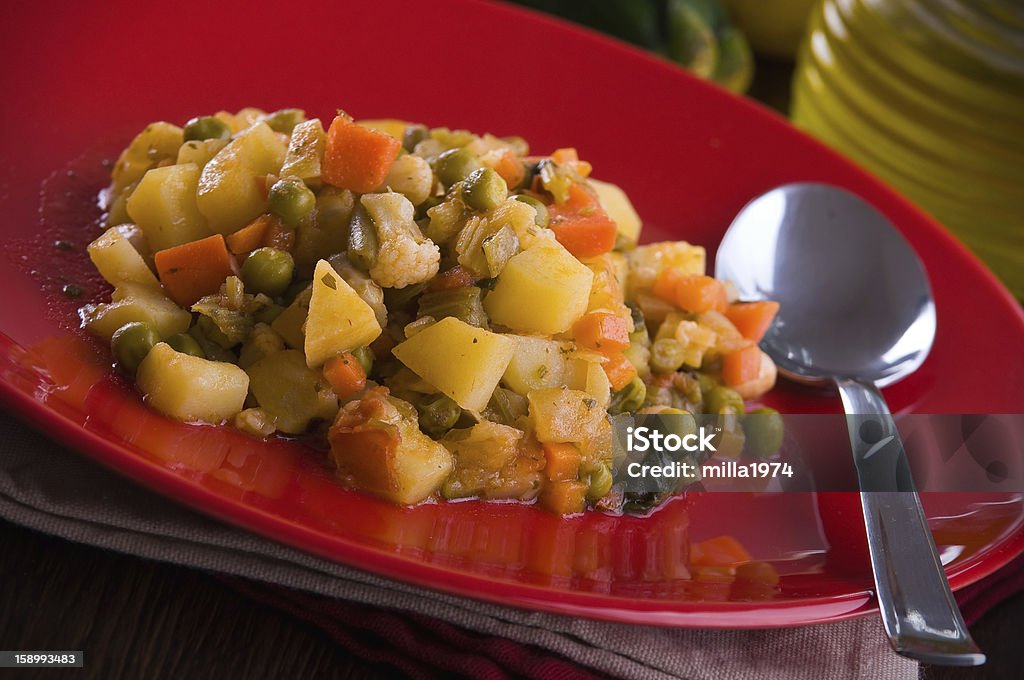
(135, 618)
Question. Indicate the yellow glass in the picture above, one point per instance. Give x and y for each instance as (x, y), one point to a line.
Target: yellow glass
(929, 95)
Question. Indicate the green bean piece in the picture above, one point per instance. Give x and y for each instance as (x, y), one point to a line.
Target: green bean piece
(465, 304)
(499, 248)
(291, 200)
(364, 355)
(484, 189)
(209, 329)
(707, 383)
(284, 120)
(413, 135)
(541, 219)
(600, 483)
(639, 322)
(396, 299)
(427, 204)
(554, 180)
(454, 165)
(438, 414)
(362, 239)
(206, 127)
(667, 355)
(186, 344)
(268, 313)
(507, 406)
(721, 400)
(764, 428)
(268, 271)
(131, 343)
(630, 398)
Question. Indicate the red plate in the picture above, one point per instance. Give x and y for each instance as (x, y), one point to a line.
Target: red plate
(79, 82)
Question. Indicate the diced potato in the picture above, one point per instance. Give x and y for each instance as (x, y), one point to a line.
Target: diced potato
(290, 322)
(118, 262)
(564, 415)
(389, 126)
(228, 194)
(189, 388)
(543, 290)
(485, 455)
(290, 391)
(387, 454)
(462, 361)
(486, 445)
(163, 206)
(199, 151)
(157, 142)
(136, 303)
(588, 376)
(305, 152)
(339, 320)
(537, 363)
(646, 262)
(421, 465)
(618, 206)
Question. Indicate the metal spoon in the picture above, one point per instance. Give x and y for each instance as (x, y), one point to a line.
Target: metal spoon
(856, 311)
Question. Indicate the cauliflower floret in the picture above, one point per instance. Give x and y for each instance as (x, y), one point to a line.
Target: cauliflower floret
(646, 262)
(405, 256)
(410, 176)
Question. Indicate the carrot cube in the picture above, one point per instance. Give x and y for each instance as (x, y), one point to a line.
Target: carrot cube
(562, 462)
(194, 269)
(752, 319)
(741, 366)
(356, 157)
(602, 332)
(696, 293)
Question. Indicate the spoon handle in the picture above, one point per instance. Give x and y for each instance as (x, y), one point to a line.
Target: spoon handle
(920, 615)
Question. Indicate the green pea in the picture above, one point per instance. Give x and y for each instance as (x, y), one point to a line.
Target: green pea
(186, 344)
(291, 200)
(131, 343)
(630, 398)
(413, 135)
(454, 165)
(600, 483)
(268, 271)
(206, 127)
(364, 355)
(285, 120)
(438, 414)
(764, 429)
(667, 355)
(541, 219)
(484, 189)
(723, 400)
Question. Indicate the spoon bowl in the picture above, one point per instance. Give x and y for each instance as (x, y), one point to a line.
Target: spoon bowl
(856, 310)
(855, 300)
